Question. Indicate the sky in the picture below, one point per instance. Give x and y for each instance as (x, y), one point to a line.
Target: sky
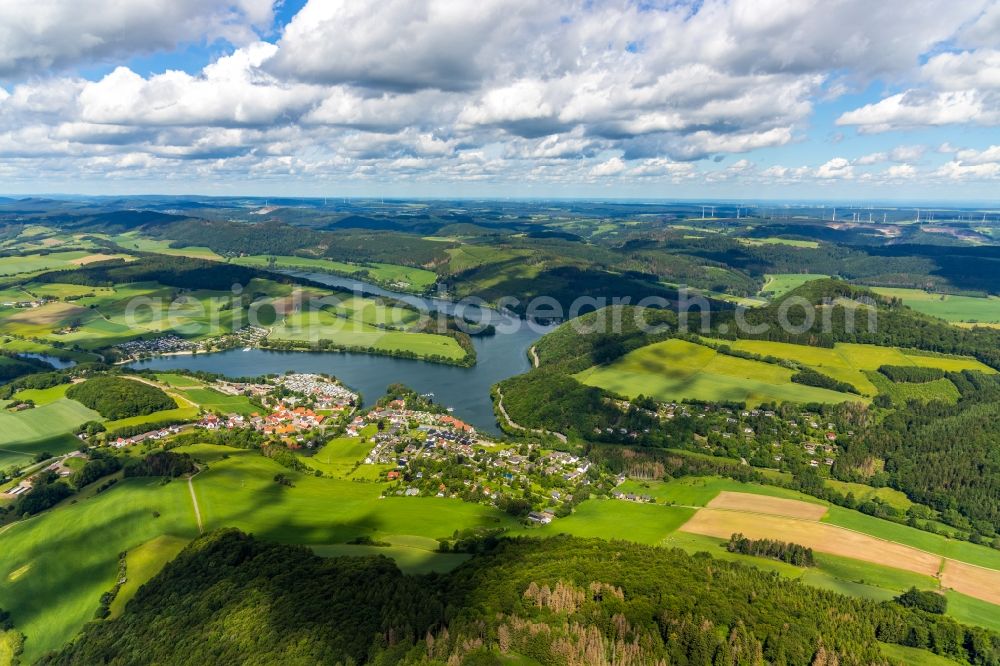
(810, 99)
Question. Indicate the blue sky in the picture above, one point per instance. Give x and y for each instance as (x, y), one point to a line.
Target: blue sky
(735, 99)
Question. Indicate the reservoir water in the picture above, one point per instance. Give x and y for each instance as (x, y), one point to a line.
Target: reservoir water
(466, 390)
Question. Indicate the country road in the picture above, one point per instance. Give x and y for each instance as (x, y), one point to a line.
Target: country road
(194, 500)
(500, 408)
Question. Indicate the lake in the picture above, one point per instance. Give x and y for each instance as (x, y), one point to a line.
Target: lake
(466, 390)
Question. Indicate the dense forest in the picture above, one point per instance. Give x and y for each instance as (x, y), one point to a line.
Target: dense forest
(118, 398)
(557, 601)
(942, 455)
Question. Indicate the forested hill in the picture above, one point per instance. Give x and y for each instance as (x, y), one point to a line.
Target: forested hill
(557, 601)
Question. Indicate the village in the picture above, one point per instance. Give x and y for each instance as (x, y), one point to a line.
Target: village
(778, 438)
(246, 337)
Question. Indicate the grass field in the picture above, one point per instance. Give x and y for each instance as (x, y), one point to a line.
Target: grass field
(240, 491)
(952, 308)
(23, 453)
(34, 263)
(56, 566)
(614, 519)
(40, 423)
(700, 490)
(144, 562)
(339, 456)
(322, 325)
(677, 369)
(210, 399)
(43, 396)
(133, 241)
(902, 392)
(778, 284)
(890, 496)
(404, 277)
(912, 656)
(852, 363)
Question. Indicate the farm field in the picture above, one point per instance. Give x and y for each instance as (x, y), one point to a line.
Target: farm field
(613, 519)
(56, 566)
(819, 536)
(32, 425)
(22, 453)
(778, 284)
(133, 241)
(677, 369)
(851, 363)
(339, 456)
(43, 396)
(322, 325)
(840, 574)
(240, 491)
(403, 277)
(898, 500)
(952, 308)
(35, 263)
(210, 399)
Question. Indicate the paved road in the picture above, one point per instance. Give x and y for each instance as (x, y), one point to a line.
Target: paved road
(516, 426)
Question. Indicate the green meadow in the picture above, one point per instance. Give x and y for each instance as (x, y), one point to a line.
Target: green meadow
(144, 562)
(950, 307)
(403, 277)
(55, 566)
(614, 519)
(133, 241)
(778, 284)
(854, 363)
(340, 456)
(35, 263)
(316, 325)
(676, 369)
(240, 491)
(32, 425)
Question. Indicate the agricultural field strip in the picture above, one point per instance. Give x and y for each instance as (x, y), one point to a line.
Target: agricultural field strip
(978, 581)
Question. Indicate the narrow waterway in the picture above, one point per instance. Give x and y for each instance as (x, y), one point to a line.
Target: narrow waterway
(466, 390)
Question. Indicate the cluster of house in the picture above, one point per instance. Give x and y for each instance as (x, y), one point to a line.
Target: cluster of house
(283, 420)
(287, 416)
(631, 497)
(397, 417)
(159, 433)
(58, 467)
(165, 344)
(569, 466)
(35, 303)
(325, 393)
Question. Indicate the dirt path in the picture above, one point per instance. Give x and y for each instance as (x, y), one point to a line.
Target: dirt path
(194, 500)
(534, 357)
(516, 426)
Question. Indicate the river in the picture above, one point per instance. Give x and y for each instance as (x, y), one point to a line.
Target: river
(466, 390)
